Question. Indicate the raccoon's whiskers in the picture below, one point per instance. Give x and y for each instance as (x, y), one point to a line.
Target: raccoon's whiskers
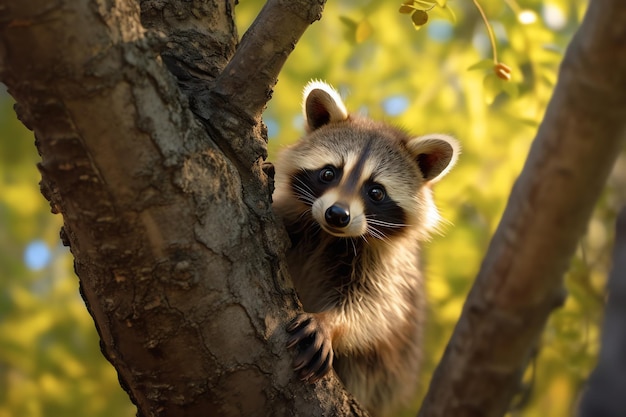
(374, 232)
(304, 191)
(301, 217)
(304, 195)
(374, 221)
(353, 245)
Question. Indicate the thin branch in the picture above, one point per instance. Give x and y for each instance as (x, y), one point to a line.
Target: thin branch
(520, 281)
(492, 37)
(252, 72)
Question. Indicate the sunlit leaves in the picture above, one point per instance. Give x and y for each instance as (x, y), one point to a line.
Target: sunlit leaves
(356, 31)
(483, 64)
(496, 80)
(418, 9)
(494, 85)
(449, 12)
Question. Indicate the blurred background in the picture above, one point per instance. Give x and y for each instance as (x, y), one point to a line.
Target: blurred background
(50, 362)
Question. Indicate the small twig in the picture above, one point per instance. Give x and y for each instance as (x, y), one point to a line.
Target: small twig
(492, 37)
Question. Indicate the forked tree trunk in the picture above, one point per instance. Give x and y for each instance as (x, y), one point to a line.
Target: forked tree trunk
(167, 212)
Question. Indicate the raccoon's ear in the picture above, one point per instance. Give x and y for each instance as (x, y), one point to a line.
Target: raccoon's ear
(435, 154)
(322, 105)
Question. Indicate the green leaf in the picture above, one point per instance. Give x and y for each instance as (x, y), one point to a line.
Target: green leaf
(350, 28)
(485, 64)
(349, 23)
(449, 13)
(424, 4)
(492, 87)
(528, 122)
(510, 88)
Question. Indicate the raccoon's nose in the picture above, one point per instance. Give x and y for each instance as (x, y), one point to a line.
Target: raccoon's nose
(337, 216)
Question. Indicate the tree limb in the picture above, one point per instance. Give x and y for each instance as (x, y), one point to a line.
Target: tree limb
(520, 281)
(264, 49)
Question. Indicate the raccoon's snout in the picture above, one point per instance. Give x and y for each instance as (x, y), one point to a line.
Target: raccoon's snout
(337, 215)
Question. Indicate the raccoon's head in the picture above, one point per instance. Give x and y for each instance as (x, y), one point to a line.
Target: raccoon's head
(356, 177)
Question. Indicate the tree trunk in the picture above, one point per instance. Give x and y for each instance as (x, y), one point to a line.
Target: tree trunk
(169, 220)
(167, 211)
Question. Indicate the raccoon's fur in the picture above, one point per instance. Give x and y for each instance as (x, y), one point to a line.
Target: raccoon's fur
(355, 197)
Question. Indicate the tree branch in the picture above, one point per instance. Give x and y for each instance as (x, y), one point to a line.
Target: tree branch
(241, 91)
(263, 51)
(520, 281)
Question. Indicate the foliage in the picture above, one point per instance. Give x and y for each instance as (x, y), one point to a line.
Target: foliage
(49, 358)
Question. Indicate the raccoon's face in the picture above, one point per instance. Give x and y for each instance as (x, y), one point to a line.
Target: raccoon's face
(354, 182)
(356, 177)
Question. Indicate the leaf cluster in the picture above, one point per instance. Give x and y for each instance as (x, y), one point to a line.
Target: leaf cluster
(418, 10)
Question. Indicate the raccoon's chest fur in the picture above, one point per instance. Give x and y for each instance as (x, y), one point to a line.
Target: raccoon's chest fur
(329, 270)
(345, 273)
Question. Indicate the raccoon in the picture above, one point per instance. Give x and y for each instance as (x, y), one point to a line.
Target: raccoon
(355, 197)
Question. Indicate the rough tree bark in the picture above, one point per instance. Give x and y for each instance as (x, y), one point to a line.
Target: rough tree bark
(521, 279)
(167, 211)
(168, 219)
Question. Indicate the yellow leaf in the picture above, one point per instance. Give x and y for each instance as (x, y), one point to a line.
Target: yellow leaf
(424, 4)
(449, 13)
(363, 31)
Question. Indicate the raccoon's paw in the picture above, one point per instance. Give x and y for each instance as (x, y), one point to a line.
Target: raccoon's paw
(315, 353)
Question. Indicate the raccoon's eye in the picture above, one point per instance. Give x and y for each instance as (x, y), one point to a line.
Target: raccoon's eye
(327, 174)
(376, 193)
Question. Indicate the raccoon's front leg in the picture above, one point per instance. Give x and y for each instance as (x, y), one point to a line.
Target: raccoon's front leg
(310, 333)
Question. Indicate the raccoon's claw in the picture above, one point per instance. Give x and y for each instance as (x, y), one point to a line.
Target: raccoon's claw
(315, 354)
